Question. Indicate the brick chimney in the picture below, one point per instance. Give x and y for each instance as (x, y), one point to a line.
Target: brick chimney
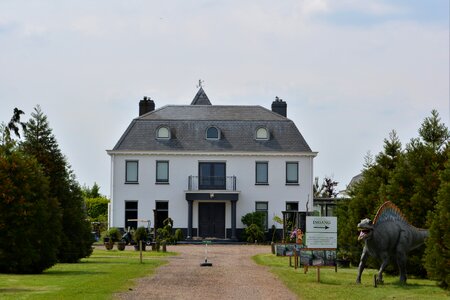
(279, 107)
(146, 105)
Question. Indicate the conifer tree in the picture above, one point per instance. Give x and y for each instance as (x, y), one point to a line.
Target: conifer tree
(41, 143)
(29, 216)
(437, 260)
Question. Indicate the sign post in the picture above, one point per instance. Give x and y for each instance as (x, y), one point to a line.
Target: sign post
(321, 234)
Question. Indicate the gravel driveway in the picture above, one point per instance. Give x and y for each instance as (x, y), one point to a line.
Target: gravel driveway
(233, 275)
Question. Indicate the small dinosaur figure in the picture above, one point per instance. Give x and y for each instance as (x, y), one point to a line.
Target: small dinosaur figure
(390, 236)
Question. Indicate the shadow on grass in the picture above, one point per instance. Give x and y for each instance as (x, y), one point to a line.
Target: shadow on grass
(72, 272)
(15, 290)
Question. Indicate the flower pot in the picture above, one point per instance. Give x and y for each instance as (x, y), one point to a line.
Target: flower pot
(121, 246)
(109, 245)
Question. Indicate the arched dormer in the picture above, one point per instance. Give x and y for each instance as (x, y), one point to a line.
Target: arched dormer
(262, 133)
(212, 133)
(163, 133)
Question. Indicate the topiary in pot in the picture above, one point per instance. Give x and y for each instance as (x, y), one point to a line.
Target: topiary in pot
(114, 234)
(140, 234)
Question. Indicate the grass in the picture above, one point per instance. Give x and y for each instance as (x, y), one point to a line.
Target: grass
(341, 285)
(96, 277)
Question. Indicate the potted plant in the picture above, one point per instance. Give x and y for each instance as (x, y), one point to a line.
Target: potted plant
(140, 234)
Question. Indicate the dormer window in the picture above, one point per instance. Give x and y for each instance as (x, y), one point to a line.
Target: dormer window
(212, 133)
(262, 133)
(163, 133)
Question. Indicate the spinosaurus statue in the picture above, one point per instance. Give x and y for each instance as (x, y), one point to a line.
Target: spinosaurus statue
(389, 236)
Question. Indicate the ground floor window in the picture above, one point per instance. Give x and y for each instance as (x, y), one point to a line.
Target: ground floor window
(263, 207)
(291, 215)
(162, 213)
(131, 213)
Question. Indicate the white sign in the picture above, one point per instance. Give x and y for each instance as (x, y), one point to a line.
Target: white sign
(321, 224)
(321, 240)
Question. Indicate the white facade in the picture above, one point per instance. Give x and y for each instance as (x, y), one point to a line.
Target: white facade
(182, 165)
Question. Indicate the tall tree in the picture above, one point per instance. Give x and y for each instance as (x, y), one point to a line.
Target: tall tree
(40, 142)
(437, 259)
(29, 216)
(367, 195)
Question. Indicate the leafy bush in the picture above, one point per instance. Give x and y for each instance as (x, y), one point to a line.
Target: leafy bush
(114, 234)
(254, 233)
(179, 235)
(29, 217)
(140, 234)
(255, 226)
(97, 209)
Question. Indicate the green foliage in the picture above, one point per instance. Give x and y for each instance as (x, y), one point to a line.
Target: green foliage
(98, 277)
(93, 192)
(341, 284)
(29, 217)
(76, 238)
(409, 178)
(257, 218)
(140, 234)
(254, 233)
(166, 233)
(97, 209)
(114, 234)
(437, 259)
(178, 235)
(255, 226)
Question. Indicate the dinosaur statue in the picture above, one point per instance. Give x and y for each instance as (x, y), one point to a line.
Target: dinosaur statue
(390, 236)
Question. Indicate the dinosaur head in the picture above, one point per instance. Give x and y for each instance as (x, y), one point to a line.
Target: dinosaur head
(365, 228)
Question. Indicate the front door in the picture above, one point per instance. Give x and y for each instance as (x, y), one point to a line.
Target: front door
(211, 219)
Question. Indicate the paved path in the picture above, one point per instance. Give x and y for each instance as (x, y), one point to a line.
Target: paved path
(233, 275)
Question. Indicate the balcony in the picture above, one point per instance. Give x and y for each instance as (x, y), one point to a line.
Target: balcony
(216, 183)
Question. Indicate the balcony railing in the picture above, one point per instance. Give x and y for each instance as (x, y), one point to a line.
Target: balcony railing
(227, 183)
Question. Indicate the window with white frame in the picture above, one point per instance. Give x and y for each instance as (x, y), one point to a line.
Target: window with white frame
(262, 133)
(291, 172)
(163, 132)
(131, 171)
(162, 171)
(262, 173)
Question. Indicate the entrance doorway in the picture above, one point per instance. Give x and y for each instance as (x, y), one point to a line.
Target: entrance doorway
(211, 219)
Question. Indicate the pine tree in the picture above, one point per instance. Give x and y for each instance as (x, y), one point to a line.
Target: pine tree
(41, 143)
(437, 259)
(29, 216)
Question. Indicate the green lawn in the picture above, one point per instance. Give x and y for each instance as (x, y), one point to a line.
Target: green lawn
(97, 277)
(341, 285)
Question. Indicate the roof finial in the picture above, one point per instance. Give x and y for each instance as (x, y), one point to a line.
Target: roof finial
(200, 83)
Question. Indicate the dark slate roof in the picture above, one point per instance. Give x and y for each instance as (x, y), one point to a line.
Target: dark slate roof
(188, 124)
(201, 98)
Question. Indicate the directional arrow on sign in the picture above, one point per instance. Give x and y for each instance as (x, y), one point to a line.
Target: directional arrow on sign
(324, 227)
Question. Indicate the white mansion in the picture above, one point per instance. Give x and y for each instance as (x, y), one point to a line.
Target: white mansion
(207, 165)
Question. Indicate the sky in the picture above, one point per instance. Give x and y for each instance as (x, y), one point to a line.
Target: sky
(350, 71)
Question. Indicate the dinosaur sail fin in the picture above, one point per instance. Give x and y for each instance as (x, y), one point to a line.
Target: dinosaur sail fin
(388, 211)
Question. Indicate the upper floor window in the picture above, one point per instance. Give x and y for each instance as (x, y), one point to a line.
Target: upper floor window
(262, 174)
(212, 133)
(262, 133)
(162, 171)
(292, 173)
(163, 133)
(131, 171)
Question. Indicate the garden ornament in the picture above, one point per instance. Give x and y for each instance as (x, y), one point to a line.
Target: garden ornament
(389, 236)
